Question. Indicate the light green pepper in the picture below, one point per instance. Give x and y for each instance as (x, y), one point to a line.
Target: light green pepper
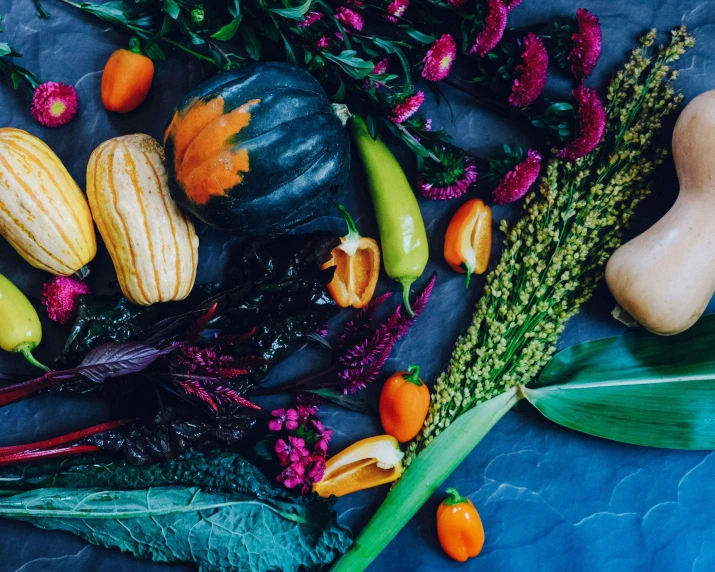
(402, 232)
(20, 329)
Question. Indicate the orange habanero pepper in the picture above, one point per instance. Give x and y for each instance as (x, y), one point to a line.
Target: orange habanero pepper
(357, 262)
(404, 403)
(126, 80)
(459, 527)
(468, 242)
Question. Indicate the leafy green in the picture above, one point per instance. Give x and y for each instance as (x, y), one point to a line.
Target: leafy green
(294, 13)
(229, 30)
(215, 510)
(638, 388)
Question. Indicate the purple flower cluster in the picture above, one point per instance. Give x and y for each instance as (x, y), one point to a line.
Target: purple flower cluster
(301, 446)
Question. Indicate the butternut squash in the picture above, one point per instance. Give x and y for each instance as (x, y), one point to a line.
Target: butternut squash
(665, 277)
(43, 213)
(153, 245)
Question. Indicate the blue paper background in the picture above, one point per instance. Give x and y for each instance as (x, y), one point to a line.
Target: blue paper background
(550, 499)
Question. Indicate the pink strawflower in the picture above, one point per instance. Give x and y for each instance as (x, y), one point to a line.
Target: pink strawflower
(283, 418)
(586, 45)
(518, 181)
(448, 178)
(381, 67)
(293, 476)
(511, 5)
(349, 18)
(439, 58)
(531, 73)
(406, 108)
(396, 9)
(494, 26)
(59, 296)
(310, 18)
(324, 42)
(591, 124)
(54, 104)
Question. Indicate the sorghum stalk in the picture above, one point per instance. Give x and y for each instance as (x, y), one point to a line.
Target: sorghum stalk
(555, 255)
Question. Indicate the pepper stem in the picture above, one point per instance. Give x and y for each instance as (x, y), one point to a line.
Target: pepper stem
(406, 283)
(26, 351)
(413, 375)
(135, 46)
(468, 268)
(454, 498)
(352, 229)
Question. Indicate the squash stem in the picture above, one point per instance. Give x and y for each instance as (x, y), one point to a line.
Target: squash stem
(26, 351)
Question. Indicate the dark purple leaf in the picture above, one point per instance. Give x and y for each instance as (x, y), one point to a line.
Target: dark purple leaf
(115, 359)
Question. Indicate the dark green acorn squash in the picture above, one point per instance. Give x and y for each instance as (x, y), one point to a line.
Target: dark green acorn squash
(257, 150)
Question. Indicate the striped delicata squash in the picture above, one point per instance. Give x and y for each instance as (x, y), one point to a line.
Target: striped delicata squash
(43, 213)
(153, 245)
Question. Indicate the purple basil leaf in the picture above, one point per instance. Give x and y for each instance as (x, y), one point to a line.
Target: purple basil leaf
(115, 359)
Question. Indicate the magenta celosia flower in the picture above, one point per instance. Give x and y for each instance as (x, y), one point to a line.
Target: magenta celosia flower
(283, 418)
(406, 108)
(310, 18)
(494, 26)
(349, 18)
(586, 45)
(439, 58)
(396, 9)
(591, 124)
(511, 5)
(54, 104)
(293, 476)
(59, 296)
(531, 73)
(324, 42)
(518, 181)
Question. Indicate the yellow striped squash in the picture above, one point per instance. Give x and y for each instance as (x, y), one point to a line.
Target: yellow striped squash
(153, 245)
(43, 213)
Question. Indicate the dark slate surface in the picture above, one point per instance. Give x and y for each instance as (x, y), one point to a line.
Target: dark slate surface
(550, 499)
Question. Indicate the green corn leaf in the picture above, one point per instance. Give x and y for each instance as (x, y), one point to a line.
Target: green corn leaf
(422, 478)
(638, 388)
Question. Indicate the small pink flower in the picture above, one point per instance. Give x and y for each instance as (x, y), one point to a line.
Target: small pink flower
(396, 9)
(292, 451)
(531, 73)
(305, 413)
(349, 18)
(59, 296)
(309, 19)
(289, 419)
(592, 124)
(321, 446)
(518, 181)
(406, 108)
(292, 476)
(428, 125)
(494, 26)
(54, 104)
(439, 58)
(315, 468)
(317, 424)
(586, 45)
(324, 42)
(381, 66)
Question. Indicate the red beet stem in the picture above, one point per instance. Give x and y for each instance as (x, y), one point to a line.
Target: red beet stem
(24, 456)
(16, 392)
(49, 444)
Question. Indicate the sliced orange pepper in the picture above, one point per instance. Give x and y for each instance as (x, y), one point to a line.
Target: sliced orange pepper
(459, 527)
(363, 465)
(357, 262)
(404, 403)
(468, 242)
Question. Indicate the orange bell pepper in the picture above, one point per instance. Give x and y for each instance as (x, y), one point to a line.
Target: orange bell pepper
(459, 527)
(365, 464)
(126, 80)
(404, 403)
(468, 242)
(357, 262)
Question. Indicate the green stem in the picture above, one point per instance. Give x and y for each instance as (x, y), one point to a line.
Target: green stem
(469, 270)
(413, 375)
(454, 498)
(422, 478)
(406, 283)
(26, 351)
(352, 229)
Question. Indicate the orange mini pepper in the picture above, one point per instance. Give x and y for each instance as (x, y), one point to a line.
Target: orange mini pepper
(404, 403)
(126, 80)
(468, 242)
(459, 527)
(357, 262)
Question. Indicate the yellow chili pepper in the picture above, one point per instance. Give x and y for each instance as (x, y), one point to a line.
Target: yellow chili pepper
(20, 329)
(459, 527)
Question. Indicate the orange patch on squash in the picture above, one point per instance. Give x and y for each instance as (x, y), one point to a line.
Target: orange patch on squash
(204, 161)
